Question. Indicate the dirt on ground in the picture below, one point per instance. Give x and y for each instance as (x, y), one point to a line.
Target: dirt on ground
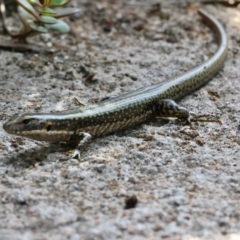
(154, 181)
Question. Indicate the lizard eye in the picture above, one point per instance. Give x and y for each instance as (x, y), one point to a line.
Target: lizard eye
(26, 121)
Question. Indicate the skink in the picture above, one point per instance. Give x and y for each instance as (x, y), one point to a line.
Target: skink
(84, 122)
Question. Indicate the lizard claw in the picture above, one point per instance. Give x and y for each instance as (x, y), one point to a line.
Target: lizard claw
(76, 154)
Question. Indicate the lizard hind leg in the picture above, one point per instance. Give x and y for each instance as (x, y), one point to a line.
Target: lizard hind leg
(168, 108)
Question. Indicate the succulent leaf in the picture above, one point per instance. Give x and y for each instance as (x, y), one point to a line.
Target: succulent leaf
(25, 18)
(38, 28)
(60, 27)
(57, 3)
(48, 20)
(28, 7)
(47, 11)
(35, 2)
(64, 12)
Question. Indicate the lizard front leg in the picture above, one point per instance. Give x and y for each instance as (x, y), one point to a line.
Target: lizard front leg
(85, 139)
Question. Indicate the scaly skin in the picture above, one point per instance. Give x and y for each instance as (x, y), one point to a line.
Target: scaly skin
(124, 111)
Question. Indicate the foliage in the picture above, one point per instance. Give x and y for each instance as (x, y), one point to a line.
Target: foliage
(42, 16)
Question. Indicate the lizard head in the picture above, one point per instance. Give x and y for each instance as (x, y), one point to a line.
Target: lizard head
(36, 126)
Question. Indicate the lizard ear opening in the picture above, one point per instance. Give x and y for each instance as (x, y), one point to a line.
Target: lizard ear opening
(49, 128)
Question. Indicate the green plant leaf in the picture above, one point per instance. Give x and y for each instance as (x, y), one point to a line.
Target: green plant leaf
(40, 29)
(28, 7)
(57, 3)
(35, 2)
(25, 18)
(47, 11)
(60, 27)
(48, 20)
(63, 12)
(25, 15)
